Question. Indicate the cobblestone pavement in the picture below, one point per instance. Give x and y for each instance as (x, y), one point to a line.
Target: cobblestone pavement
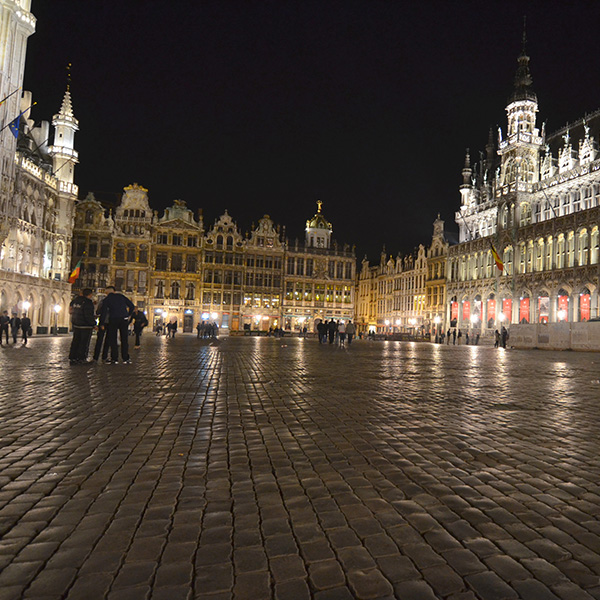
(255, 468)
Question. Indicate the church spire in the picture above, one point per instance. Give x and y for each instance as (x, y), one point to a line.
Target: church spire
(523, 89)
(63, 150)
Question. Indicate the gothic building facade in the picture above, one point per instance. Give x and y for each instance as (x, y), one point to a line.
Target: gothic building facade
(177, 270)
(535, 198)
(37, 189)
(406, 294)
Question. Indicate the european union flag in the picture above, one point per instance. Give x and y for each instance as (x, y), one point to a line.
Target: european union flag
(14, 126)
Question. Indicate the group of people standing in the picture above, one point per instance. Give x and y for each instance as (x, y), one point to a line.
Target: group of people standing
(336, 331)
(15, 324)
(111, 318)
(456, 336)
(207, 329)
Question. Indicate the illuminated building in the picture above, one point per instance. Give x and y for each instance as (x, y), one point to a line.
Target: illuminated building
(319, 279)
(176, 271)
(536, 198)
(392, 294)
(37, 191)
(435, 281)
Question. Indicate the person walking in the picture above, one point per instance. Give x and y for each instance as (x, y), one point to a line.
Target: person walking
(25, 327)
(350, 332)
(139, 322)
(83, 320)
(342, 333)
(459, 336)
(496, 338)
(15, 325)
(4, 322)
(117, 309)
(331, 329)
(454, 337)
(173, 327)
(504, 336)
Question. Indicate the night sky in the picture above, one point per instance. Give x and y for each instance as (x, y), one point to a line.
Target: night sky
(266, 107)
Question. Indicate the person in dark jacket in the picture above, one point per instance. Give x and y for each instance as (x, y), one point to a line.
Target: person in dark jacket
(15, 325)
(25, 327)
(139, 322)
(4, 322)
(83, 320)
(118, 309)
(331, 330)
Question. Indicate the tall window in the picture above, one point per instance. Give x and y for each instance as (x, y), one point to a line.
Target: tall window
(190, 291)
(190, 263)
(161, 261)
(131, 253)
(160, 289)
(175, 287)
(130, 280)
(119, 276)
(120, 253)
(176, 261)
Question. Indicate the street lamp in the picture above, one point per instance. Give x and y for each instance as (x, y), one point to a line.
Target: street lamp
(57, 309)
(26, 306)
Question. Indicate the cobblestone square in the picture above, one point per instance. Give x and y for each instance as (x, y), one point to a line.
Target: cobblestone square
(258, 468)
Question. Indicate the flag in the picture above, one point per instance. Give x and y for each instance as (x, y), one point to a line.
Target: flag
(75, 274)
(499, 263)
(14, 126)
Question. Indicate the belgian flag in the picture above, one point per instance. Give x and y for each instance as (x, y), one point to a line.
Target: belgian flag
(75, 274)
(499, 263)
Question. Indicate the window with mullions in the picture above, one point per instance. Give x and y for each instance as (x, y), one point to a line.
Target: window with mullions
(191, 263)
(161, 261)
(176, 261)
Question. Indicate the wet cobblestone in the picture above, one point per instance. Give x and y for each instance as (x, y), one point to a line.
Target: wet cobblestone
(262, 468)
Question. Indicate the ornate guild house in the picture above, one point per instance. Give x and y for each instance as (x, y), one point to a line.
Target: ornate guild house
(176, 270)
(534, 197)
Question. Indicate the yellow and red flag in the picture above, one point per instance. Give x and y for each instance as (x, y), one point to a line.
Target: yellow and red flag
(497, 260)
(75, 274)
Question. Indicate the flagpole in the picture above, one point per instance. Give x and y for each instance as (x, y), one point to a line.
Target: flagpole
(17, 117)
(7, 97)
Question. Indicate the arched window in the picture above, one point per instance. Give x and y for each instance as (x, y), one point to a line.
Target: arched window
(583, 249)
(562, 305)
(89, 216)
(229, 242)
(190, 291)
(219, 241)
(175, 287)
(594, 247)
(160, 289)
